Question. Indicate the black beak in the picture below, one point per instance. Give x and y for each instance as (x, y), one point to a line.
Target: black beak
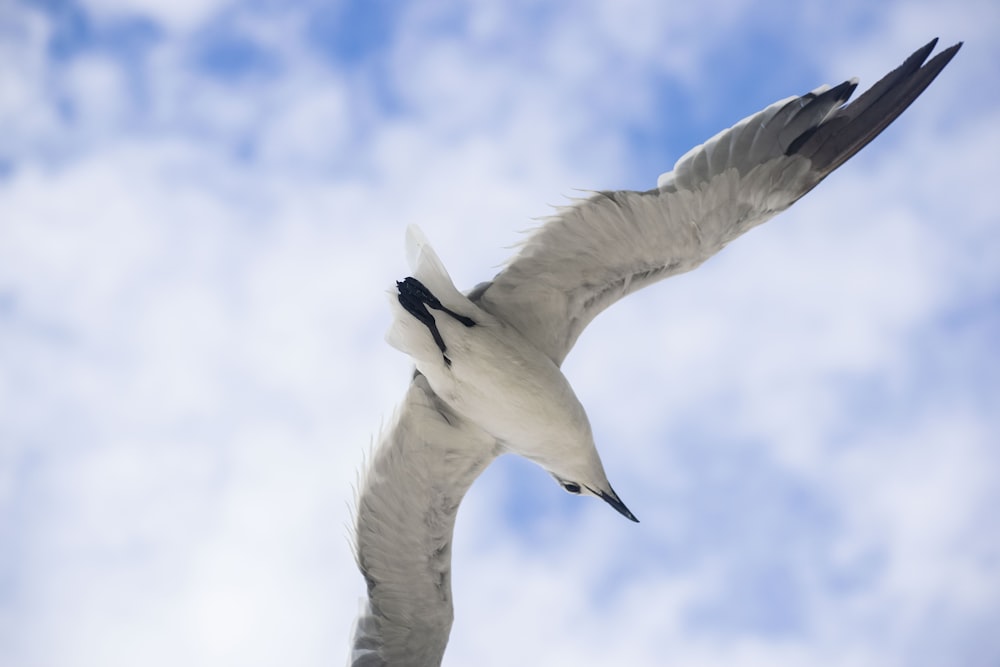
(611, 498)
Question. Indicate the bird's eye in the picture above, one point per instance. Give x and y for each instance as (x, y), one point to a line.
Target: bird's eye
(572, 487)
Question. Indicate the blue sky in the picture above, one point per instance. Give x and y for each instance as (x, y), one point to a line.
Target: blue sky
(202, 204)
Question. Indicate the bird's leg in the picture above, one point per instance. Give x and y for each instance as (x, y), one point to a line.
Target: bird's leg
(416, 299)
(418, 290)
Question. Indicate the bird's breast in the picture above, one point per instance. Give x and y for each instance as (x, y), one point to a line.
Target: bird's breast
(498, 380)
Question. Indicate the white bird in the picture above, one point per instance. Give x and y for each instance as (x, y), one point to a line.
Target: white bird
(487, 377)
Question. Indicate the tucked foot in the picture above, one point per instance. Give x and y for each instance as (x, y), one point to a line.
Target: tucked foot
(412, 297)
(420, 292)
(415, 298)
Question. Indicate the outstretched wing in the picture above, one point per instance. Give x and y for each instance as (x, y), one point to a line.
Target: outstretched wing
(406, 509)
(614, 243)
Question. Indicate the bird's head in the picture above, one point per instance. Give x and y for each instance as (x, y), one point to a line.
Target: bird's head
(567, 451)
(593, 483)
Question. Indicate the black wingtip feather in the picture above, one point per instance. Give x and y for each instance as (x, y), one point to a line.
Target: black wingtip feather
(839, 93)
(853, 126)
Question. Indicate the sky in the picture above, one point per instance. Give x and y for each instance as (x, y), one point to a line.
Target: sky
(202, 204)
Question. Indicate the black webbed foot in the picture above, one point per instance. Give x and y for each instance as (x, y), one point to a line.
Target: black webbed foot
(416, 299)
(418, 291)
(414, 302)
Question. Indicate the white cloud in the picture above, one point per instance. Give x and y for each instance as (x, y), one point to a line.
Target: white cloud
(192, 360)
(25, 109)
(179, 15)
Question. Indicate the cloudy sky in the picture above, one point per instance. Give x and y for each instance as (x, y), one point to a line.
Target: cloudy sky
(203, 201)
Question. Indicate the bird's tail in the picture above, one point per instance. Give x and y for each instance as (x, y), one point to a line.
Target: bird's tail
(407, 333)
(428, 269)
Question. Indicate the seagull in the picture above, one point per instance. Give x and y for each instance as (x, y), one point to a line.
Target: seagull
(488, 379)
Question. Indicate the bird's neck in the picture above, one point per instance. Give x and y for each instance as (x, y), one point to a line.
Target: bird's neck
(421, 469)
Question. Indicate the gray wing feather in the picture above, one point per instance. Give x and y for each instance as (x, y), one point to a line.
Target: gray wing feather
(853, 127)
(596, 251)
(406, 510)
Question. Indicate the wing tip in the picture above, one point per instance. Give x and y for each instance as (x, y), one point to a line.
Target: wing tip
(857, 124)
(947, 54)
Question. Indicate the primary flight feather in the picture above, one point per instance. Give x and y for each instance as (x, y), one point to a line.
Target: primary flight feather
(487, 377)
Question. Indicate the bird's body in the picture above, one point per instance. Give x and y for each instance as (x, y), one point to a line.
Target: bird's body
(488, 379)
(490, 374)
(515, 393)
